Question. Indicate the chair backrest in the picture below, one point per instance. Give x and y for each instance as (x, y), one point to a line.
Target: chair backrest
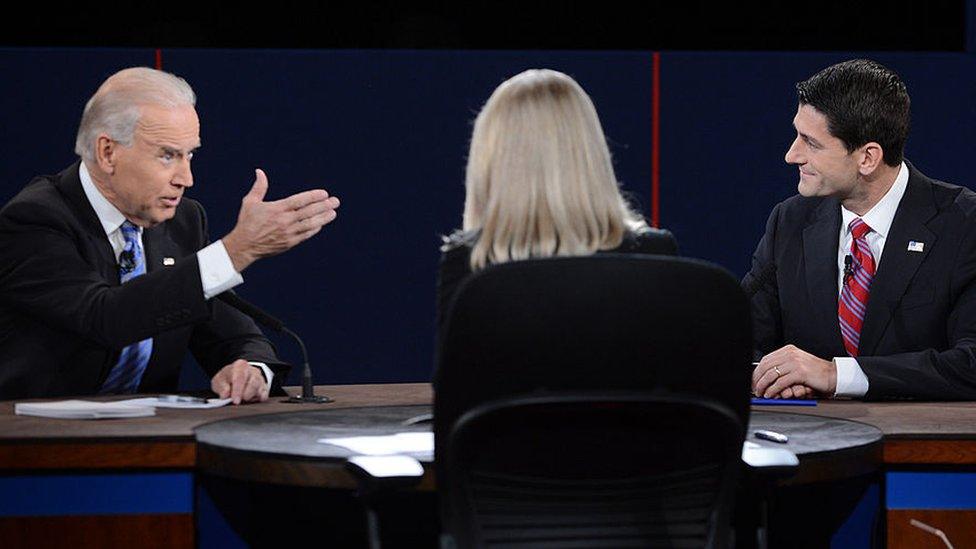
(611, 470)
(666, 339)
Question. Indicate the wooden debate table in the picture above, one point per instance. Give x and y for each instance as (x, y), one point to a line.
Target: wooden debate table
(286, 448)
(915, 433)
(935, 439)
(163, 441)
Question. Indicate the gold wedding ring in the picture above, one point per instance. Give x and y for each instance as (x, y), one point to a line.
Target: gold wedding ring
(778, 373)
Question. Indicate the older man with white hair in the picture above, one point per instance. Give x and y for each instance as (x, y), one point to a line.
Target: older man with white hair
(107, 273)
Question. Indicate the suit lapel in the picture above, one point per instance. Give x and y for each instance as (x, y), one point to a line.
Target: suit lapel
(69, 183)
(158, 245)
(898, 265)
(820, 260)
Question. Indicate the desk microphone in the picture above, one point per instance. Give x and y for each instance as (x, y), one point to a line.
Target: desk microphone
(268, 321)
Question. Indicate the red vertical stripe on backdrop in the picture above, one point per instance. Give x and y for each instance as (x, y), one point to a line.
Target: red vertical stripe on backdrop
(159, 59)
(656, 141)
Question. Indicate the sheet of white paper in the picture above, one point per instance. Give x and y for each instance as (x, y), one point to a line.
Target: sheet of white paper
(157, 403)
(389, 466)
(82, 409)
(87, 409)
(400, 443)
(757, 455)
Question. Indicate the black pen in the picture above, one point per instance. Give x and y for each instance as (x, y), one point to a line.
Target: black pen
(417, 420)
(182, 399)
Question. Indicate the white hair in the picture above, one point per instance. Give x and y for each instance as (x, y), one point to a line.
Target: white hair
(539, 178)
(115, 108)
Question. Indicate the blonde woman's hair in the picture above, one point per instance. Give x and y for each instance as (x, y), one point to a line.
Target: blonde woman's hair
(539, 181)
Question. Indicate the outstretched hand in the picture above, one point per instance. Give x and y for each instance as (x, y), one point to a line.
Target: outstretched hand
(265, 229)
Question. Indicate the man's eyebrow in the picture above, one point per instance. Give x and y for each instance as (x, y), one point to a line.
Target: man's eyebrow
(805, 137)
(176, 150)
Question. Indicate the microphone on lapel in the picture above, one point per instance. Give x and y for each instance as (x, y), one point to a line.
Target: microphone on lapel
(127, 260)
(850, 268)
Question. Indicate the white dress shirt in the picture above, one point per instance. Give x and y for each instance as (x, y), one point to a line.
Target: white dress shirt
(851, 381)
(217, 272)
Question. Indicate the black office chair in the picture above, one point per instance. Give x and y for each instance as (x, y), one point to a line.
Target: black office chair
(597, 401)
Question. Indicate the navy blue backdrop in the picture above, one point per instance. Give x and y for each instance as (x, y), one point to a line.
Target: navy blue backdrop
(387, 132)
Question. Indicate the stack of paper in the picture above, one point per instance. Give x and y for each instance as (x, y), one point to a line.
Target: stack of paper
(82, 409)
(135, 407)
(173, 401)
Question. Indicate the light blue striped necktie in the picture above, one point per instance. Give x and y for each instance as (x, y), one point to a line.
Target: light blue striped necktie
(127, 373)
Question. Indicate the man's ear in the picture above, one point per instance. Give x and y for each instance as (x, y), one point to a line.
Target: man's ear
(872, 156)
(106, 153)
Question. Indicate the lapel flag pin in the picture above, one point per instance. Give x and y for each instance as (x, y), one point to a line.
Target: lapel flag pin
(167, 261)
(916, 246)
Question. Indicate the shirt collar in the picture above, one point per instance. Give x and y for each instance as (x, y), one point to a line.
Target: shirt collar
(879, 217)
(108, 215)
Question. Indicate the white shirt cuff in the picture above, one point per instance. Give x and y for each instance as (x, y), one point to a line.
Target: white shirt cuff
(268, 374)
(851, 381)
(216, 270)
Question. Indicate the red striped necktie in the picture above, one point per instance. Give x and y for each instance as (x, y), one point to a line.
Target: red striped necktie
(857, 287)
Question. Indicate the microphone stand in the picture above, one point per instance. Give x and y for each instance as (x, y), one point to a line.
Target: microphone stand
(308, 395)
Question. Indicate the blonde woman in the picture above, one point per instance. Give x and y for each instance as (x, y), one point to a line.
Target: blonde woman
(540, 183)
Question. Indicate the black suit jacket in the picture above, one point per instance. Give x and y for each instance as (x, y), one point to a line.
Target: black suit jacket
(918, 339)
(64, 317)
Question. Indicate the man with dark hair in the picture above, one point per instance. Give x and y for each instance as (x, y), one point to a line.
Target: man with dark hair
(864, 285)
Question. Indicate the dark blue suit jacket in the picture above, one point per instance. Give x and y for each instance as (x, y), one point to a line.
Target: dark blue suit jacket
(919, 334)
